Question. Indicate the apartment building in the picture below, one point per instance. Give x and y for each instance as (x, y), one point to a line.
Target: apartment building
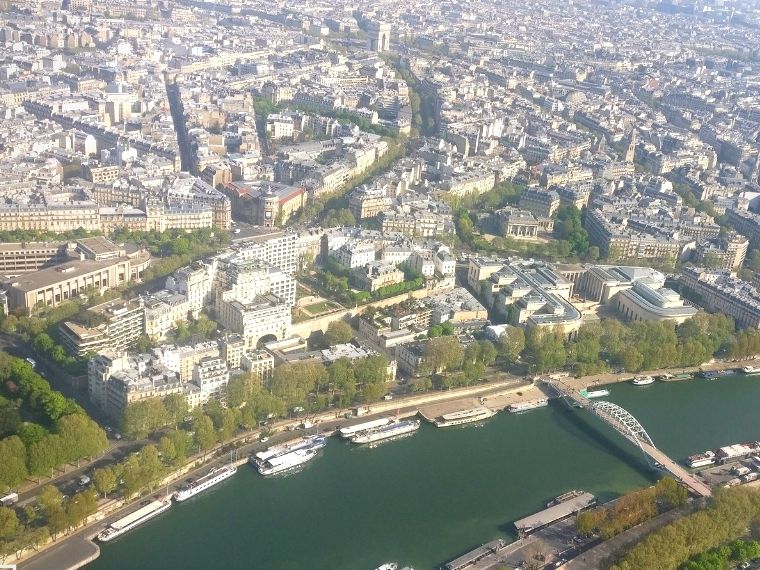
(721, 291)
(540, 201)
(367, 202)
(380, 274)
(123, 322)
(211, 375)
(265, 317)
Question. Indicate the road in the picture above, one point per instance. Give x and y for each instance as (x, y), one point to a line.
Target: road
(80, 548)
(66, 480)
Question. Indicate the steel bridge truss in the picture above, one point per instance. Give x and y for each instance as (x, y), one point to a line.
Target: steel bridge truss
(623, 422)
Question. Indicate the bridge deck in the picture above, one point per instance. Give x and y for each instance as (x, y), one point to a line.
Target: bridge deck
(679, 472)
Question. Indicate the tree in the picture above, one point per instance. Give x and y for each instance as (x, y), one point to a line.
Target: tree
(167, 449)
(444, 353)
(371, 370)
(105, 480)
(338, 332)
(9, 524)
(292, 383)
(447, 328)
(754, 259)
(372, 392)
(586, 522)
(343, 380)
(13, 468)
(54, 404)
(81, 506)
(632, 359)
(183, 443)
(31, 433)
(473, 371)
(146, 416)
(10, 420)
(132, 476)
(203, 326)
(45, 455)
(49, 497)
(671, 493)
(487, 352)
(569, 227)
(81, 437)
(227, 426)
(545, 348)
(176, 407)
(151, 468)
(435, 331)
(511, 344)
(143, 343)
(205, 436)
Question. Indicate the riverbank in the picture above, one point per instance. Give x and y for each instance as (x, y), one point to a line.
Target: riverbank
(496, 394)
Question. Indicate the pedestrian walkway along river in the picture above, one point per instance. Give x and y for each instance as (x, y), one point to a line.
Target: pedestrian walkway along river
(424, 499)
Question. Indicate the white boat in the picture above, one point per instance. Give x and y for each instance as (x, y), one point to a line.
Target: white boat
(394, 429)
(564, 497)
(525, 406)
(387, 566)
(350, 431)
(752, 370)
(701, 459)
(643, 380)
(275, 450)
(464, 417)
(292, 457)
(209, 480)
(596, 393)
(143, 514)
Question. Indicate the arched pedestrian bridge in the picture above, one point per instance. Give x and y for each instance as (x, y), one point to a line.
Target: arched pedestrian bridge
(629, 427)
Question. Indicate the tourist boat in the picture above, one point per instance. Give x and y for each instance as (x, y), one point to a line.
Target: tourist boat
(387, 566)
(351, 431)
(147, 511)
(564, 497)
(282, 458)
(597, 393)
(643, 380)
(701, 459)
(675, 377)
(464, 417)
(751, 370)
(525, 406)
(275, 450)
(394, 429)
(207, 481)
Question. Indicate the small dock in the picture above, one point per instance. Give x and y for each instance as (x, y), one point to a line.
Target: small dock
(553, 514)
(472, 557)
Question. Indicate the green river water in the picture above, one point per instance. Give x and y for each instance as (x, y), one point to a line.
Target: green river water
(425, 499)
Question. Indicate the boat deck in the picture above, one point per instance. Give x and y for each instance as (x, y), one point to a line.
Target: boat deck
(467, 560)
(554, 514)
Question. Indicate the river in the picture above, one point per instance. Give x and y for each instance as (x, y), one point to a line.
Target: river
(425, 499)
